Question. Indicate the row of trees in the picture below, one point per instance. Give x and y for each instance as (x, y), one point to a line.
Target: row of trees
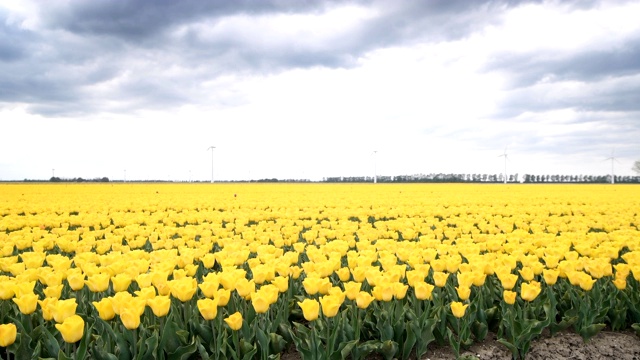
(486, 178)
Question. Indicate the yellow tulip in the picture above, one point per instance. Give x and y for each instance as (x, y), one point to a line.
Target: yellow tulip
(330, 305)
(259, 302)
(526, 273)
(463, 292)
(209, 289)
(22, 288)
(440, 278)
(130, 318)
(620, 283)
(586, 282)
(105, 309)
(364, 299)
(282, 283)
(183, 289)
(245, 287)
(508, 280)
(8, 334)
(509, 296)
(234, 321)
(121, 282)
(344, 274)
(53, 291)
(310, 309)
(529, 291)
(146, 293)
(47, 306)
(7, 289)
(351, 289)
(550, 276)
(223, 297)
(27, 303)
(98, 282)
(400, 290)
(71, 329)
(423, 290)
(75, 280)
(458, 309)
(208, 308)
(64, 309)
(160, 305)
(311, 285)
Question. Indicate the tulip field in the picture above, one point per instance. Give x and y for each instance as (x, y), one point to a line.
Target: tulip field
(330, 271)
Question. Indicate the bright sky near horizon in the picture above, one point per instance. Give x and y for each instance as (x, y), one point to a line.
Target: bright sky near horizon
(308, 89)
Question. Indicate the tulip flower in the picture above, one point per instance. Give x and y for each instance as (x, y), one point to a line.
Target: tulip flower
(423, 290)
(234, 321)
(8, 334)
(282, 283)
(223, 297)
(183, 289)
(71, 329)
(364, 299)
(105, 309)
(440, 278)
(160, 305)
(509, 297)
(526, 273)
(48, 305)
(351, 289)
(208, 308)
(259, 302)
(98, 282)
(53, 291)
(400, 290)
(550, 276)
(121, 282)
(529, 291)
(458, 309)
(75, 280)
(64, 309)
(27, 303)
(330, 305)
(463, 292)
(130, 318)
(310, 309)
(209, 289)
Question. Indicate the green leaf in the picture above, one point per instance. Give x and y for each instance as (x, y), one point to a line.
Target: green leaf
(63, 356)
(636, 328)
(183, 352)
(277, 343)
(81, 352)
(409, 341)
(169, 342)
(44, 337)
(588, 332)
(150, 348)
(388, 349)
(510, 346)
(99, 354)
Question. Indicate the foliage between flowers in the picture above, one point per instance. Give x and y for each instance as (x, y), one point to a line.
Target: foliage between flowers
(196, 271)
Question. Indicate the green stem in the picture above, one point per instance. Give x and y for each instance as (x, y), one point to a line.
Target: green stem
(135, 343)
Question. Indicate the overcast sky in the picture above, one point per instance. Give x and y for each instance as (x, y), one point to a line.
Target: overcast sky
(307, 89)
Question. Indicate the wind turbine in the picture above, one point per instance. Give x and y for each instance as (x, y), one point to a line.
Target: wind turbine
(612, 158)
(375, 166)
(505, 163)
(211, 148)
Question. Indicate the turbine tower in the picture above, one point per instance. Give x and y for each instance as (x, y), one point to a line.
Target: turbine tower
(211, 148)
(612, 158)
(505, 163)
(375, 167)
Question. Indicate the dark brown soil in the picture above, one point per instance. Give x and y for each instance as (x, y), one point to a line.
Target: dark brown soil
(566, 345)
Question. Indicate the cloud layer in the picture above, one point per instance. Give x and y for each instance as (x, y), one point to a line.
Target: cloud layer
(437, 86)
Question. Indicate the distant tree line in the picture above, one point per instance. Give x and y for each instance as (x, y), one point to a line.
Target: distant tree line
(487, 178)
(78, 179)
